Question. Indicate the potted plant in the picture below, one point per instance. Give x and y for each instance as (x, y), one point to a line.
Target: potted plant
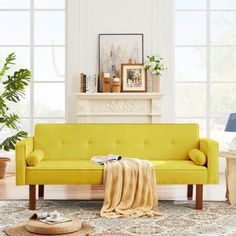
(155, 66)
(12, 91)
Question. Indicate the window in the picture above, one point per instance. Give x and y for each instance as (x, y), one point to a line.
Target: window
(205, 71)
(35, 31)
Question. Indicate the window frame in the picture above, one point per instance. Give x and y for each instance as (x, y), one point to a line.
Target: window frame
(31, 46)
(208, 82)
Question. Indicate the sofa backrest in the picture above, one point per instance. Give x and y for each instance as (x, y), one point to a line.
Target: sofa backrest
(144, 141)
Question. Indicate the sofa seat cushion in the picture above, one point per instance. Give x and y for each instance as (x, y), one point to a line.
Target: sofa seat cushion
(67, 165)
(180, 172)
(65, 172)
(86, 172)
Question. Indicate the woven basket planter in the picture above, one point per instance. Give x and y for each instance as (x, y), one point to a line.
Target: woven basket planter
(3, 165)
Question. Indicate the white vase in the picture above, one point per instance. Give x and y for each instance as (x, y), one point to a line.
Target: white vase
(156, 83)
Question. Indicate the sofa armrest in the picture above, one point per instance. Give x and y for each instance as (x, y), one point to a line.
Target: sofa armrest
(23, 149)
(211, 149)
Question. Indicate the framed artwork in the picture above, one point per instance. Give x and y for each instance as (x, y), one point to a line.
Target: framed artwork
(134, 78)
(117, 49)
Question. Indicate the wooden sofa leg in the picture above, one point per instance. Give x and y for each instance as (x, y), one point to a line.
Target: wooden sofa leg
(41, 191)
(190, 191)
(199, 196)
(32, 197)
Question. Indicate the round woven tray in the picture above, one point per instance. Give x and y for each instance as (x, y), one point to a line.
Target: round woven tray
(37, 227)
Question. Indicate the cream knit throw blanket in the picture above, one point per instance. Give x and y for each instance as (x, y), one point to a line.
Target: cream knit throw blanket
(130, 189)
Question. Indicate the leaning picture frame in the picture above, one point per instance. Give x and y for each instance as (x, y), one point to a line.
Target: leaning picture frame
(134, 78)
(117, 49)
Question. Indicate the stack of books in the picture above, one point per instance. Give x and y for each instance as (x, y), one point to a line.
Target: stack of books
(88, 83)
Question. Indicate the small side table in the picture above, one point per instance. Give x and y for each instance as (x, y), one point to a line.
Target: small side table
(230, 175)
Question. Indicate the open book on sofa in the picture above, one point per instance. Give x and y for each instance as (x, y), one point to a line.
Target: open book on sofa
(103, 159)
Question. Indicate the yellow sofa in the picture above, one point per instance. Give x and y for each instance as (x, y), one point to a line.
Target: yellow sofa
(67, 149)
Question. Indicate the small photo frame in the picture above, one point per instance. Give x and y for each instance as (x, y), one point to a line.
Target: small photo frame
(134, 78)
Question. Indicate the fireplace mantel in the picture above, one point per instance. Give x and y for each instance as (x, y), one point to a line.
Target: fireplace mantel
(118, 107)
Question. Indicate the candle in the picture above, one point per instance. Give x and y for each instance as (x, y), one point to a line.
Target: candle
(116, 85)
(106, 75)
(107, 83)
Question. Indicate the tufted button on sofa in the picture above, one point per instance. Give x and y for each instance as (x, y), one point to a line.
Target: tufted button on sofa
(67, 149)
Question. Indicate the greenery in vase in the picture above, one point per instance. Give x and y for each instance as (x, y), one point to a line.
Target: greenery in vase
(12, 91)
(154, 64)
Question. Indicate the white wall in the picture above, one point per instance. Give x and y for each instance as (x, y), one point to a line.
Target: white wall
(88, 18)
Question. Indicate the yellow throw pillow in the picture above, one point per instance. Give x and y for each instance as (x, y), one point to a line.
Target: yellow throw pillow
(35, 158)
(198, 157)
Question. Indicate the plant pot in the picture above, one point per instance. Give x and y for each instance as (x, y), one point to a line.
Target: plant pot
(3, 165)
(156, 83)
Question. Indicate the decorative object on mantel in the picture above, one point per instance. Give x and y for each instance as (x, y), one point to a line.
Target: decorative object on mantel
(82, 83)
(106, 83)
(155, 66)
(116, 85)
(92, 83)
(88, 83)
(134, 78)
(12, 91)
(116, 49)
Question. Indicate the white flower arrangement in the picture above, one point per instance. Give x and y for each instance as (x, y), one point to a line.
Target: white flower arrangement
(154, 64)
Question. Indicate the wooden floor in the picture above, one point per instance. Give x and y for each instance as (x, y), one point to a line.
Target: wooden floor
(8, 190)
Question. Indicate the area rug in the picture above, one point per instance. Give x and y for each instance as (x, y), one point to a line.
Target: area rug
(179, 218)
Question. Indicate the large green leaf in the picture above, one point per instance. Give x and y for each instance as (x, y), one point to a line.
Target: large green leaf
(15, 85)
(3, 107)
(10, 142)
(9, 61)
(10, 121)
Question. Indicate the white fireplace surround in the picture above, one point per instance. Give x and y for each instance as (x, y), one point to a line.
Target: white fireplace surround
(118, 107)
